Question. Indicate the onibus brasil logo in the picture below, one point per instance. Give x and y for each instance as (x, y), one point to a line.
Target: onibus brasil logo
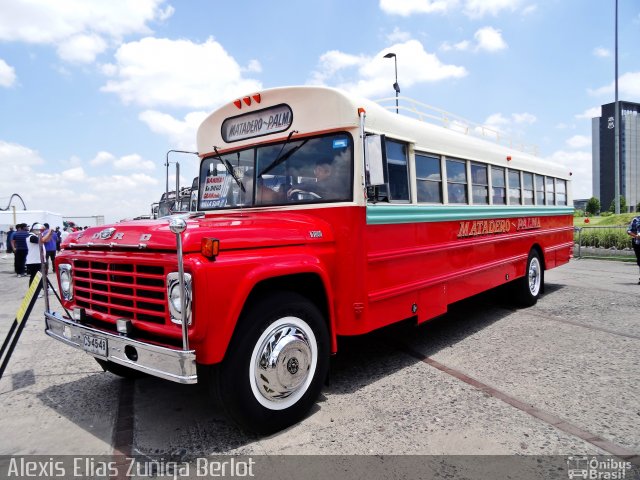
(601, 468)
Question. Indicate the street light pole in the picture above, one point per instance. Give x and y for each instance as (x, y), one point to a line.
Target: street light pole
(616, 159)
(396, 87)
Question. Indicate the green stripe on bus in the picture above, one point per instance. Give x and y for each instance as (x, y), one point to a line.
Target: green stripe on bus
(381, 214)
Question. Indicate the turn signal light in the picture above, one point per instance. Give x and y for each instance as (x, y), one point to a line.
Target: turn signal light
(210, 247)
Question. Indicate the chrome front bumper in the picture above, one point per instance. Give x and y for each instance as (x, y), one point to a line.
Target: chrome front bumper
(171, 364)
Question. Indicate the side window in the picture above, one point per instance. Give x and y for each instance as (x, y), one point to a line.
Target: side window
(527, 188)
(514, 187)
(397, 166)
(457, 181)
(429, 179)
(551, 197)
(539, 190)
(480, 184)
(561, 191)
(498, 186)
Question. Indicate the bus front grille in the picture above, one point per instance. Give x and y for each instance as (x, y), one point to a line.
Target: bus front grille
(121, 290)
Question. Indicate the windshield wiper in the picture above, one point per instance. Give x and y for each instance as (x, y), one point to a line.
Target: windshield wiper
(282, 158)
(229, 168)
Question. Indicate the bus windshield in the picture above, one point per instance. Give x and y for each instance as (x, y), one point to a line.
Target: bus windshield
(310, 170)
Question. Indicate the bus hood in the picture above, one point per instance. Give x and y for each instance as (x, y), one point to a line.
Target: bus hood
(233, 230)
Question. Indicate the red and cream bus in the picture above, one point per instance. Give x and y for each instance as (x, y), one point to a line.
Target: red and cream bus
(319, 215)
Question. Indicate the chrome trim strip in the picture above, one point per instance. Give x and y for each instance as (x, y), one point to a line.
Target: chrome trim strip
(171, 364)
(139, 246)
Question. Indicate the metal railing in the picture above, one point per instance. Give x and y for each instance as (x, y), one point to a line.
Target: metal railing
(602, 242)
(437, 116)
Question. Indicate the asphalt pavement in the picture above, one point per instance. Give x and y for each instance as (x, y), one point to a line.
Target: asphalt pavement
(557, 379)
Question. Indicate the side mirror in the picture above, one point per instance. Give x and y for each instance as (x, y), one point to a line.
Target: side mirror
(375, 160)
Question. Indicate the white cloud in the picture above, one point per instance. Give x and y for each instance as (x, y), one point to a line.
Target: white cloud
(579, 164)
(601, 52)
(506, 128)
(579, 141)
(471, 8)
(181, 133)
(126, 162)
(76, 174)
(79, 29)
(370, 76)
(398, 36)
(133, 162)
(462, 46)
(521, 118)
(81, 48)
(7, 74)
(497, 120)
(480, 8)
(490, 39)
(628, 86)
(13, 154)
(590, 113)
(333, 62)
(178, 73)
(254, 66)
(405, 8)
(75, 191)
(487, 39)
(102, 158)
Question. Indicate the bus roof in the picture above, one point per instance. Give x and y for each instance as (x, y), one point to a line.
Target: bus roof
(316, 109)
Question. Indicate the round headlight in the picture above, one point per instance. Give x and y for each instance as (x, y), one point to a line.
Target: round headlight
(175, 300)
(66, 280)
(174, 297)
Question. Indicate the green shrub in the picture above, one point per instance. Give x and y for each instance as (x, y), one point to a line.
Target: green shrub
(604, 238)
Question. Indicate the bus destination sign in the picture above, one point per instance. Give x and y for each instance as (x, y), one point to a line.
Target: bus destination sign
(256, 124)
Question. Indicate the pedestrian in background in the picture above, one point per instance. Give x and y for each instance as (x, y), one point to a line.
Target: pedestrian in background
(50, 246)
(58, 234)
(19, 244)
(634, 232)
(10, 235)
(33, 261)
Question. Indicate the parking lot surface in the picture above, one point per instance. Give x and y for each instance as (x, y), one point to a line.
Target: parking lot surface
(560, 378)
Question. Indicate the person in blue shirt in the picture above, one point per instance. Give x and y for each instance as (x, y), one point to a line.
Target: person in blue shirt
(19, 244)
(634, 233)
(50, 246)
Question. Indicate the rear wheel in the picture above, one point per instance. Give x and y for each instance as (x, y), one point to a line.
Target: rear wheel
(529, 287)
(275, 365)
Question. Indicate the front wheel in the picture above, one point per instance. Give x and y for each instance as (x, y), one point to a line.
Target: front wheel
(529, 287)
(275, 365)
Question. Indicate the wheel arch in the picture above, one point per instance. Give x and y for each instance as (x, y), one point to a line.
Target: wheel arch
(309, 281)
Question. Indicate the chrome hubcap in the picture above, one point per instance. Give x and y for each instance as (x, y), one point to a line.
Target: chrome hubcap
(283, 363)
(534, 276)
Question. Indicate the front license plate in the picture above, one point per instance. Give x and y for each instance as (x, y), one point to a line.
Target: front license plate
(93, 344)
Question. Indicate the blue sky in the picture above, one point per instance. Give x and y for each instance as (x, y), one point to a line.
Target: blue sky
(93, 93)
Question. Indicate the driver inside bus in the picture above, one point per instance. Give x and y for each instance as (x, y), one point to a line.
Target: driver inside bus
(323, 188)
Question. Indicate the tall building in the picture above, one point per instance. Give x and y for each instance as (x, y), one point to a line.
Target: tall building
(603, 148)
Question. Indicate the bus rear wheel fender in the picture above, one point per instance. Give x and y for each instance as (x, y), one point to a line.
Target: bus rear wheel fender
(277, 364)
